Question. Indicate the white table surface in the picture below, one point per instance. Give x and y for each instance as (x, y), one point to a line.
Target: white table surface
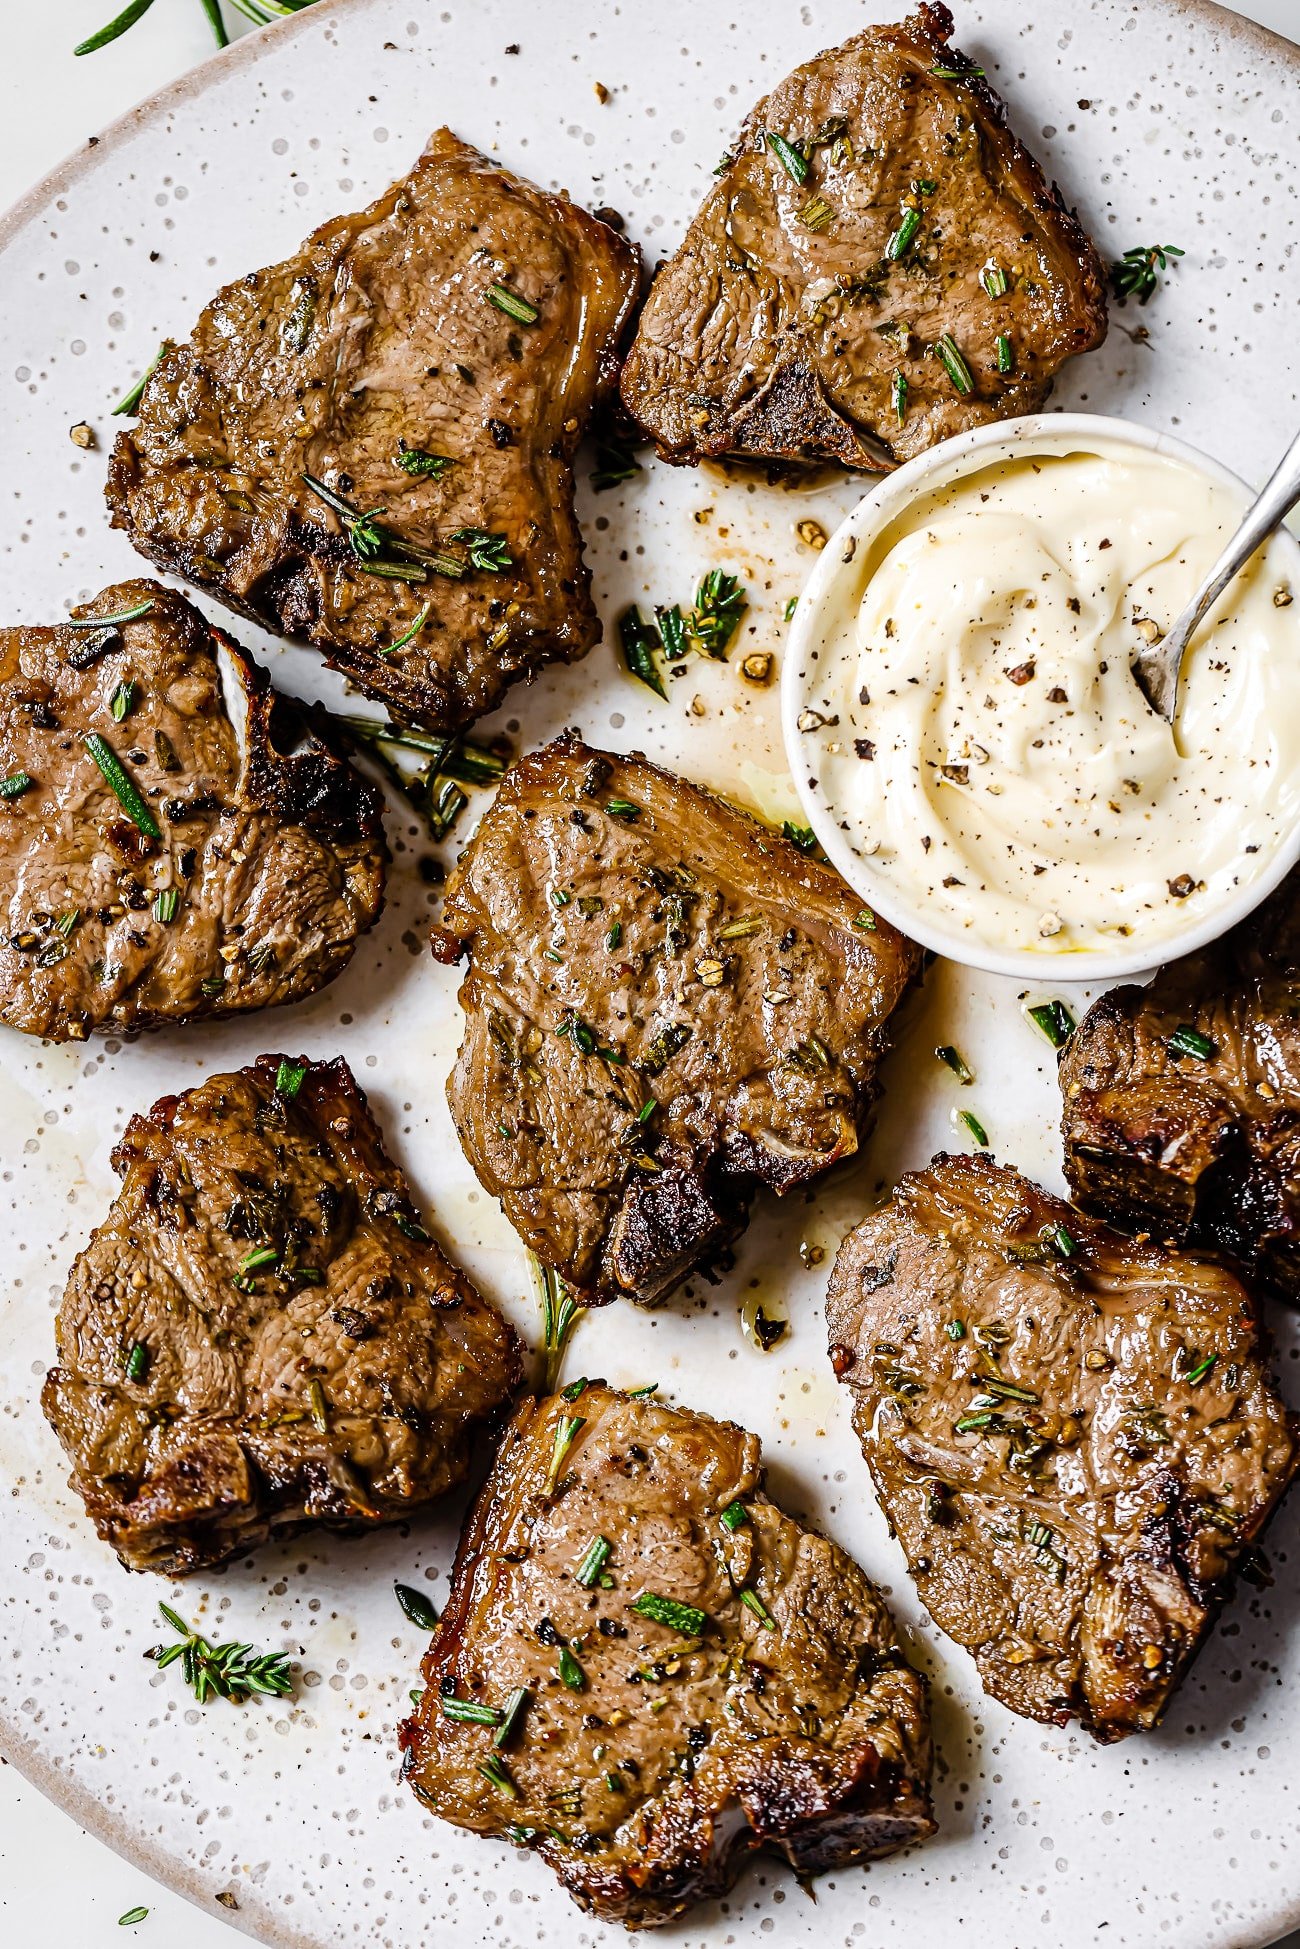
(59, 1888)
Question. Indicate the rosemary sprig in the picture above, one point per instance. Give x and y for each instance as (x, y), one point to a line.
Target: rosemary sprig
(124, 788)
(522, 310)
(134, 394)
(1137, 273)
(223, 1671)
(115, 28)
(638, 641)
(1053, 1020)
(561, 1313)
(109, 622)
(566, 1433)
(615, 463)
(420, 1609)
(683, 1618)
(487, 551)
(720, 601)
(792, 160)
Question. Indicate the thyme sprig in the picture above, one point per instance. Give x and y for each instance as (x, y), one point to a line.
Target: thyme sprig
(234, 1672)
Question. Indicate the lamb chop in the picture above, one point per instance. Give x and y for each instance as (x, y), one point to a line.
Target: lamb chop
(1182, 1100)
(175, 839)
(879, 264)
(1074, 1435)
(262, 1335)
(647, 1671)
(369, 447)
(667, 1005)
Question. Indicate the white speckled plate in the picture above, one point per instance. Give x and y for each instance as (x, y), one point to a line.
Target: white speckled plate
(1165, 121)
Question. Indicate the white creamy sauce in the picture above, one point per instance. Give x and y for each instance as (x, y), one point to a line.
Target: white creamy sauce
(985, 744)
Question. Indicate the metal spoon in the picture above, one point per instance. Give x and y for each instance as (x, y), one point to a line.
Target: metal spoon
(1157, 669)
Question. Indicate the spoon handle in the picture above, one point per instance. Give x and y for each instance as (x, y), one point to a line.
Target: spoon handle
(1275, 502)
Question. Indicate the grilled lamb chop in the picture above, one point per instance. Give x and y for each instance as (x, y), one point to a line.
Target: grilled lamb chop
(666, 1006)
(1074, 1436)
(234, 863)
(1182, 1100)
(261, 1335)
(879, 265)
(430, 363)
(686, 1675)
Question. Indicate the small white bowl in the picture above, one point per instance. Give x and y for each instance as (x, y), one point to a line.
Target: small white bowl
(810, 645)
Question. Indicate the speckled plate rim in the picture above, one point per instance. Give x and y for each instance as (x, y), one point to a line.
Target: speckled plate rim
(1250, 37)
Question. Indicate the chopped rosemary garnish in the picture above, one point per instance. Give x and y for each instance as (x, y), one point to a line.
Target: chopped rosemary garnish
(1199, 1370)
(511, 1714)
(468, 1712)
(134, 394)
(898, 396)
(792, 603)
(792, 160)
(487, 550)
(318, 1407)
(816, 213)
(663, 1047)
(865, 921)
(561, 1312)
(956, 1329)
(571, 1672)
(588, 1572)
(623, 809)
(684, 1618)
(522, 310)
(289, 1077)
(734, 1516)
(123, 701)
(1187, 1041)
(956, 1062)
(566, 1433)
(615, 463)
(720, 601)
(949, 355)
(801, 836)
(638, 644)
(420, 464)
(1137, 273)
(955, 74)
(971, 1122)
(651, 1387)
(133, 1915)
(1006, 356)
(123, 787)
(408, 635)
(1054, 1020)
(739, 930)
(902, 239)
(1003, 1390)
(1065, 1242)
(224, 1671)
(994, 280)
(165, 904)
(753, 1602)
(16, 784)
(419, 1609)
(114, 621)
(496, 1776)
(136, 1364)
(672, 633)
